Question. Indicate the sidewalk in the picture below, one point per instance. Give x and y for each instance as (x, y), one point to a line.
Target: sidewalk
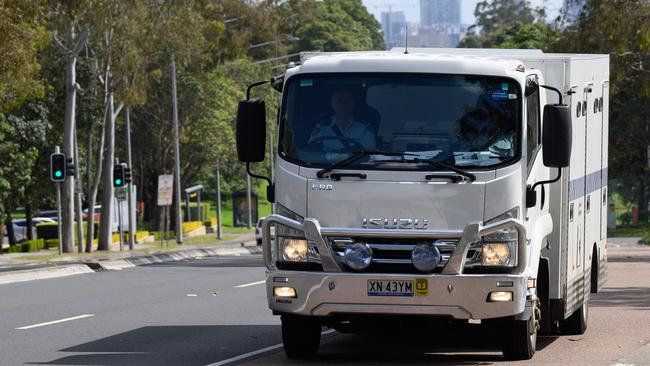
(150, 252)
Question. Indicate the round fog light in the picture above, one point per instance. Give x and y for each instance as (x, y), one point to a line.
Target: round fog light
(358, 256)
(425, 257)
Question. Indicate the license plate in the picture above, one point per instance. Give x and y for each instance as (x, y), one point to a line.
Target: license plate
(390, 288)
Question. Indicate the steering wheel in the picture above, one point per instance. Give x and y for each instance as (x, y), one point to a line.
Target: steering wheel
(348, 143)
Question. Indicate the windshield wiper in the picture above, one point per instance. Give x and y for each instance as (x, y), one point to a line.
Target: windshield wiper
(356, 156)
(439, 165)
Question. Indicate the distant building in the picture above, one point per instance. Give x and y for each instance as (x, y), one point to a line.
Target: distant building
(439, 12)
(437, 36)
(393, 25)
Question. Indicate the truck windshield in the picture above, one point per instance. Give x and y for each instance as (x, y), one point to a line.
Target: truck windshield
(465, 121)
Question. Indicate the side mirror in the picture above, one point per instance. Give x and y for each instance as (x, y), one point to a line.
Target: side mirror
(557, 135)
(251, 130)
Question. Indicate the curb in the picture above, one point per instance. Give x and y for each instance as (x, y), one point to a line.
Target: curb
(43, 273)
(176, 256)
(63, 270)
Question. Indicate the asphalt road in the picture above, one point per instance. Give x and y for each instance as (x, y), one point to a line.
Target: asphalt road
(213, 312)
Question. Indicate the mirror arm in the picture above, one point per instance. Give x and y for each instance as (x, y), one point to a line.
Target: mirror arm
(270, 189)
(559, 175)
(531, 197)
(559, 93)
(258, 83)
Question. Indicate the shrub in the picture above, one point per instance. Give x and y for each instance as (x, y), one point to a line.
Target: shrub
(50, 230)
(191, 226)
(51, 243)
(170, 235)
(27, 246)
(139, 235)
(626, 218)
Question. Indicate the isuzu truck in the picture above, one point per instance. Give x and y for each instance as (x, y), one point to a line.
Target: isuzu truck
(452, 185)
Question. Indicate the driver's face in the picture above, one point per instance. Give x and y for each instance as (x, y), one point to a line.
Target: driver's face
(342, 102)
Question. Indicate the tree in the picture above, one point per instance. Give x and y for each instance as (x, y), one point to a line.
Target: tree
(22, 35)
(621, 29)
(332, 25)
(507, 24)
(71, 46)
(118, 44)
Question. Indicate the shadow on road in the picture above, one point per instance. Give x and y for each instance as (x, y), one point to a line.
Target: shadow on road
(623, 297)
(172, 345)
(629, 259)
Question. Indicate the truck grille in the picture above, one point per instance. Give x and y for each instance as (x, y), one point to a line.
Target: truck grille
(394, 256)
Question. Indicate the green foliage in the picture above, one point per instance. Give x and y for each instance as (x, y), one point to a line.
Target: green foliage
(22, 35)
(27, 246)
(333, 25)
(507, 24)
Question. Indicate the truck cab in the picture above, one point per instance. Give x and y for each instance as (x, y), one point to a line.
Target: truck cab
(429, 183)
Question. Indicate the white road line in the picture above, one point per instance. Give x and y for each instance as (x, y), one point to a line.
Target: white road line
(251, 284)
(256, 352)
(56, 321)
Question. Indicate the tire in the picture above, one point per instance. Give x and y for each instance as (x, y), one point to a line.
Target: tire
(576, 324)
(521, 339)
(594, 271)
(300, 336)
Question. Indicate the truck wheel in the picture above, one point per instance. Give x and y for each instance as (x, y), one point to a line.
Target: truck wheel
(594, 272)
(521, 339)
(300, 336)
(576, 324)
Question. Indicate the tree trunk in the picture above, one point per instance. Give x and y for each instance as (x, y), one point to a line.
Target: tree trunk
(105, 231)
(68, 149)
(28, 221)
(11, 235)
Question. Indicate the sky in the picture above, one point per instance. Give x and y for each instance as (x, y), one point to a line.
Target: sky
(411, 8)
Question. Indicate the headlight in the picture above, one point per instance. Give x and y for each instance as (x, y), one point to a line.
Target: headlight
(499, 249)
(495, 254)
(295, 250)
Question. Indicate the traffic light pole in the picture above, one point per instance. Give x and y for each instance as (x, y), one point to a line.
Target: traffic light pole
(58, 209)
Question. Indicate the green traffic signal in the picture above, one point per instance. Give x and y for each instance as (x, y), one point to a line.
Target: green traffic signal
(118, 182)
(58, 174)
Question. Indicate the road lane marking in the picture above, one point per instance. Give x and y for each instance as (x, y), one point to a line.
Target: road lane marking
(251, 284)
(256, 352)
(55, 321)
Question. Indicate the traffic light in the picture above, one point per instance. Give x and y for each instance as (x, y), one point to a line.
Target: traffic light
(58, 167)
(127, 175)
(118, 175)
(69, 167)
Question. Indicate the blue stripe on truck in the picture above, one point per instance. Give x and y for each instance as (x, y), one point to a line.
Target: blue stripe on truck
(586, 184)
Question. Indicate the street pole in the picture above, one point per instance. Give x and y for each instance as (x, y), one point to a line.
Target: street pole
(58, 209)
(218, 203)
(177, 158)
(130, 185)
(77, 193)
(250, 203)
(119, 222)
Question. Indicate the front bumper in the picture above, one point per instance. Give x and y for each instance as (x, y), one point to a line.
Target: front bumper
(450, 293)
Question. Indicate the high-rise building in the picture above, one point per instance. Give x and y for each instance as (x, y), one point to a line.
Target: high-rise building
(393, 25)
(439, 12)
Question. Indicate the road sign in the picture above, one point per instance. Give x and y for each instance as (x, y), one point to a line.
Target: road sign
(165, 190)
(121, 193)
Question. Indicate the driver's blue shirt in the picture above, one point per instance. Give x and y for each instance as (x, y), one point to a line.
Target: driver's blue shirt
(355, 131)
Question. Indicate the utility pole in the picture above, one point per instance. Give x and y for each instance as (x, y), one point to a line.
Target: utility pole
(177, 158)
(219, 233)
(129, 189)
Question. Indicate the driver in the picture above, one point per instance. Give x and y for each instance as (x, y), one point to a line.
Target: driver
(342, 125)
(485, 128)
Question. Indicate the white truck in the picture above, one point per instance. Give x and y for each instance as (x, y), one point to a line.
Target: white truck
(463, 185)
